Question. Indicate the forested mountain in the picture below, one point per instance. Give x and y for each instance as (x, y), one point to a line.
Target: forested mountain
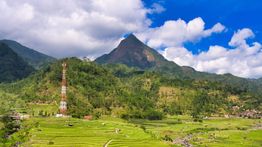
(126, 92)
(34, 58)
(133, 53)
(135, 82)
(12, 66)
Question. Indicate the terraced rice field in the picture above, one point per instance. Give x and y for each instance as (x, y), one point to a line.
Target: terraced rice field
(57, 132)
(173, 131)
(211, 132)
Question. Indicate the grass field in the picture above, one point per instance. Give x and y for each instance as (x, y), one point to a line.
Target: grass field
(172, 131)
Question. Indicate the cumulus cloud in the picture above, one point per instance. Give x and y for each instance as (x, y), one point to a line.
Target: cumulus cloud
(94, 27)
(71, 27)
(239, 38)
(242, 60)
(177, 32)
(156, 8)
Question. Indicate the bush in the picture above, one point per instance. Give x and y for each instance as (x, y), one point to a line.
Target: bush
(125, 116)
(143, 127)
(167, 138)
(11, 125)
(138, 114)
(41, 113)
(154, 115)
(198, 119)
(51, 143)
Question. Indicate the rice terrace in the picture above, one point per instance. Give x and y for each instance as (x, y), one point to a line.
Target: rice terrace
(130, 73)
(211, 132)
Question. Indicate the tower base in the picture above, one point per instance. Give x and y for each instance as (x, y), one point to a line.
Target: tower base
(61, 115)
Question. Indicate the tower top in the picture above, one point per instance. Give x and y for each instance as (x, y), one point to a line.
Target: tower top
(64, 64)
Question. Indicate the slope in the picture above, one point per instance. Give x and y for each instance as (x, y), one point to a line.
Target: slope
(13, 67)
(133, 53)
(34, 58)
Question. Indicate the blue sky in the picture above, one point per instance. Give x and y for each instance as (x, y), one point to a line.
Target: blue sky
(234, 14)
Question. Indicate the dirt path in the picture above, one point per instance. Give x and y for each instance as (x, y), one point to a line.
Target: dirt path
(184, 141)
(108, 142)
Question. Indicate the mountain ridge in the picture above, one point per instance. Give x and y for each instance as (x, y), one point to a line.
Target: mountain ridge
(13, 67)
(130, 50)
(33, 57)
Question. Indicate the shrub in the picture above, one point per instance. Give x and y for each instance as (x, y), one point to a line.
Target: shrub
(154, 115)
(167, 138)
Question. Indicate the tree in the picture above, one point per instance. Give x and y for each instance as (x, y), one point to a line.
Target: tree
(206, 103)
(11, 125)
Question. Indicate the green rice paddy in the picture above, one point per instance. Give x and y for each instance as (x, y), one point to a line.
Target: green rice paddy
(71, 132)
(82, 133)
(210, 132)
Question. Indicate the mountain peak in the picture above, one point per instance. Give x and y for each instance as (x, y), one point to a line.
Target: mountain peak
(132, 52)
(131, 36)
(132, 40)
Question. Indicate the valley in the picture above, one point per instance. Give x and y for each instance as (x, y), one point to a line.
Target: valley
(132, 96)
(50, 131)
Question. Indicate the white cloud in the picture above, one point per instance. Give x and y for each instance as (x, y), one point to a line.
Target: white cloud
(176, 32)
(71, 27)
(94, 27)
(156, 8)
(180, 55)
(239, 38)
(217, 28)
(244, 60)
(13, 17)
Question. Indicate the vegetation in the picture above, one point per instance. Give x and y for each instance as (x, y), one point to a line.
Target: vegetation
(144, 100)
(130, 93)
(182, 130)
(13, 67)
(56, 131)
(32, 57)
(154, 102)
(177, 130)
(10, 104)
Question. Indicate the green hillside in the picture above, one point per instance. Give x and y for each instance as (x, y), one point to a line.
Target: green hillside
(34, 58)
(134, 53)
(145, 105)
(12, 66)
(130, 93)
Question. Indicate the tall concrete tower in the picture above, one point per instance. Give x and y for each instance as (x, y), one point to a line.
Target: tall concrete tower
(63, 104)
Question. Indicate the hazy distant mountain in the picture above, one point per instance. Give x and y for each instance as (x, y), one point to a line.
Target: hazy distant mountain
(12, 66)
(34, 58)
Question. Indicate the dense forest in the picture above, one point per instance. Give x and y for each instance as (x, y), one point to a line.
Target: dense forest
(118, 90)
(31, 56)
(13, 67)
